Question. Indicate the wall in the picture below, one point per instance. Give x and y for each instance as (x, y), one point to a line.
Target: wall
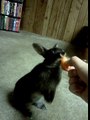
(61, 19)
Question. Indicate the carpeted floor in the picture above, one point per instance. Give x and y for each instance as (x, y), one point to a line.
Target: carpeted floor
(17, 57)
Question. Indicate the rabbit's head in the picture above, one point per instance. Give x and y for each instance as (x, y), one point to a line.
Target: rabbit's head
(51, 55)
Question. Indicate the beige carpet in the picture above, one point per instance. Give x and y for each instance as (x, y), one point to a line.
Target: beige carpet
(17, 57)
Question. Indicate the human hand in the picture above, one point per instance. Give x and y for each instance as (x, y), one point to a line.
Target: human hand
(78, 77)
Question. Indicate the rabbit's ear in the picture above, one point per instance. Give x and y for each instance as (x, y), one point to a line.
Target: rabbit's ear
(55, 46)
(39, 48)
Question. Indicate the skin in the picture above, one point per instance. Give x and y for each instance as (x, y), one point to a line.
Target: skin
(78, 77)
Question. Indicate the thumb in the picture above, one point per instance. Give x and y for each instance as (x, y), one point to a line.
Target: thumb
(80, 66)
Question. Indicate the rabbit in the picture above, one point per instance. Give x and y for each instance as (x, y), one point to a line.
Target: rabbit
(42, 81)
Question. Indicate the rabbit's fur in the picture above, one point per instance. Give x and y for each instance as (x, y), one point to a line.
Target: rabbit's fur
(41, 81)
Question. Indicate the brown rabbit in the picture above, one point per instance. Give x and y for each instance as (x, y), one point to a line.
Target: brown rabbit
(41, 81)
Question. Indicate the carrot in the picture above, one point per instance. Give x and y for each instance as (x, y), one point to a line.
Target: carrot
(64, 63)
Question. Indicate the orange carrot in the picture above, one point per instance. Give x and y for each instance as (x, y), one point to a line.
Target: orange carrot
(64, 63)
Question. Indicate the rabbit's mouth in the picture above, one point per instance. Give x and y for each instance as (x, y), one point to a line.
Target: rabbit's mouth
(62, 55)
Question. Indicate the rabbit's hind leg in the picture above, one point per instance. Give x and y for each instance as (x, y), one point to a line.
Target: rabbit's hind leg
(26, 112)
(24, 109)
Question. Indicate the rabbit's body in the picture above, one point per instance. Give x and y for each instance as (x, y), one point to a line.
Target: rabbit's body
(41, 81)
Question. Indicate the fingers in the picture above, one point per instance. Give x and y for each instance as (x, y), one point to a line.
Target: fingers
(72, 73)
(77, 90)
(76, 86)
(73, 80)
